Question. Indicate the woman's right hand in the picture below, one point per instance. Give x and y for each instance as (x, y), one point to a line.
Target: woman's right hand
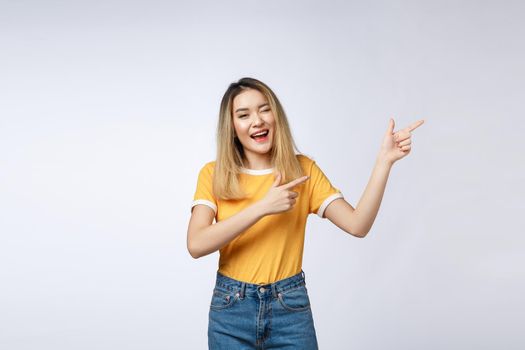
(281, 198)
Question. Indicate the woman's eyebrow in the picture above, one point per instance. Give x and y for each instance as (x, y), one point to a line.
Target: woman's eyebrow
(245, 109)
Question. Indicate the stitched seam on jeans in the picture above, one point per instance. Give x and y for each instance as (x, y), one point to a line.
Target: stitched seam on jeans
(220, 307)
(292, 288)
(292, 308)
(230, 288)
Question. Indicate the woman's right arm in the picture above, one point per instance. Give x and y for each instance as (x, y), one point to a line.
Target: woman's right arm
(204, 237)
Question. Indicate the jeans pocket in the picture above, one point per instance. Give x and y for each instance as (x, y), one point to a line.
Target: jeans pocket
(295, 299)
(222, 299)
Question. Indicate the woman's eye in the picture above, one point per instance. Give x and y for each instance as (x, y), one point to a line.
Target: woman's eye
(244, 115)
(266, 110)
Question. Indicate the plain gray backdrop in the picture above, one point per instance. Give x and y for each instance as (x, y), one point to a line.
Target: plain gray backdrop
(108, 110)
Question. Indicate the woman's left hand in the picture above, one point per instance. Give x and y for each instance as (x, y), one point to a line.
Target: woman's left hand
(396, 145)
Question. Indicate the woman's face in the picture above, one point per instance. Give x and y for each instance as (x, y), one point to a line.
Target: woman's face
(252, 115)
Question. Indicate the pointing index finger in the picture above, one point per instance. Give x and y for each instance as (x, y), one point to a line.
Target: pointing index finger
(295, 182)
(415, 125)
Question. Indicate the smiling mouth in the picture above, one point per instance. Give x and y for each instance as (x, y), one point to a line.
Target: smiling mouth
(261, 137)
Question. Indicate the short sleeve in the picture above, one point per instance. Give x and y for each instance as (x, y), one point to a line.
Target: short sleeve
(322, 192)
(203, 193)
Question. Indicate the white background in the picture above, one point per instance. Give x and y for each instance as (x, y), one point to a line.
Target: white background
(108, 110)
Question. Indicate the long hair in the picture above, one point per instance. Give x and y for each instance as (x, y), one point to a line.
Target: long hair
(230, 151)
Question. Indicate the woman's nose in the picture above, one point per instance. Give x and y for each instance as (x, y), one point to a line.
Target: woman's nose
(258, 120)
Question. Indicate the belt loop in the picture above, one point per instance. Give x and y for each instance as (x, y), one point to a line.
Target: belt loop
(243, 286)
(274, 290)
(302, 273)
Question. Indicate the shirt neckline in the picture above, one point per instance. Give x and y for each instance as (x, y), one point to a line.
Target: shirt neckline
(257, 171)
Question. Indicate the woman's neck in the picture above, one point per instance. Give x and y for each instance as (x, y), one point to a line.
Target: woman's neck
(257, 162)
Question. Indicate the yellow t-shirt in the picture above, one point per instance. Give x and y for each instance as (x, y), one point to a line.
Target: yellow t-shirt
(272, 248)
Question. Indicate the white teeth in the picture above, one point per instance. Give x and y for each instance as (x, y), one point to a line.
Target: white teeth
(260, 134)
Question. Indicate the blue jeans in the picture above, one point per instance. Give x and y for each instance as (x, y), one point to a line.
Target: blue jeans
(261, 316)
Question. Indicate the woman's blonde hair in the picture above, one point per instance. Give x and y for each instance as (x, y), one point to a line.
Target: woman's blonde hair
(230, 151)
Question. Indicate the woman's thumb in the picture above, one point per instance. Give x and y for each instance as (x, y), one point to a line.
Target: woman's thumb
(277, 179)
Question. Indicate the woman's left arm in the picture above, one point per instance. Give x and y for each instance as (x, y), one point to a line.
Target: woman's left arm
(359, 221)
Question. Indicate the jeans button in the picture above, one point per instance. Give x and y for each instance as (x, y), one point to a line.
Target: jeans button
(262, 289)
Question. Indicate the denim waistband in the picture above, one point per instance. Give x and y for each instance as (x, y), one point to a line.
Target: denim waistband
(245, 288)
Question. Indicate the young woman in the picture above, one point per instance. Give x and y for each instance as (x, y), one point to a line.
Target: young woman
(260, 190)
